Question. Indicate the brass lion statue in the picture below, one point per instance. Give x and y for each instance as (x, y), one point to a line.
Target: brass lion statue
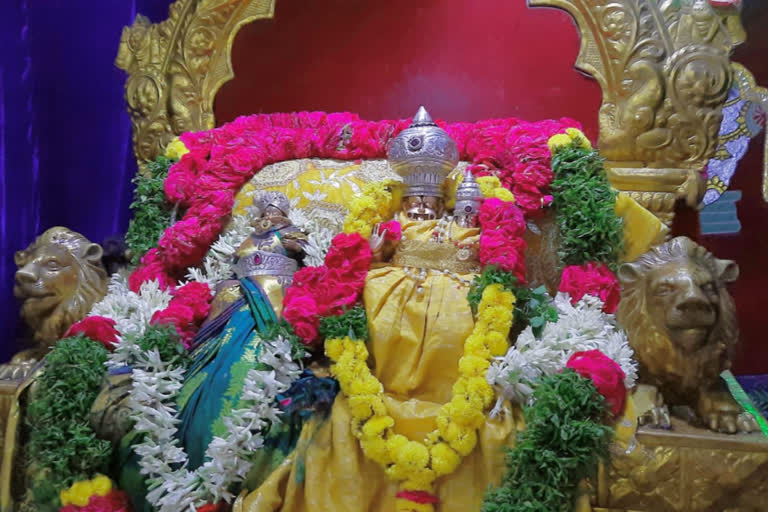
(681, 323)
(59, 277)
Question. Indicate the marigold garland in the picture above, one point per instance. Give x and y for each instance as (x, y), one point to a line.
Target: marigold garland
(417, 464)
(372, 206)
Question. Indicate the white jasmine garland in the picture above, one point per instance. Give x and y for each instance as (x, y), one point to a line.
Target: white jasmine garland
(579, 327)
(228, 458)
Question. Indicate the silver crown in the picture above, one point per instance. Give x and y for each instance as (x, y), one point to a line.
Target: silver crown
(264, 198)
(424, 155)
(469, 197)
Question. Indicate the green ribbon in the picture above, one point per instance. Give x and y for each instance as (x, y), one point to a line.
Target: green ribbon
(743, 399)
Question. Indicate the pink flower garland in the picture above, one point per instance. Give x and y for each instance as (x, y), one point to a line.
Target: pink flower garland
(220, 161)
(188, 308)
(605, 374)
(328, 289)
(97, 328)
(591, 279)
(501, 244)
(115, 501)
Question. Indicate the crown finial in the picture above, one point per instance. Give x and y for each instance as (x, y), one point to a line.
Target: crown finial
(422, 118)
(423, 154)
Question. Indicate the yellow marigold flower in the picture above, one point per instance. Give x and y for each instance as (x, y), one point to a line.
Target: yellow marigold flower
(420, 480)
(175, 149)
(473, 366)
(404, 505)
(334, 348)
(475, 345)
(102, 485)
(497, 343)
(579, 138)
(376, 450)
(445, 460)
(558, 142)
(376, 425)
(413, 455)
(488, 184)
(396, 442)
(465, 414)
(478, 387)
(81, 491)
(366, 385)
(465, 442)
(504, 194)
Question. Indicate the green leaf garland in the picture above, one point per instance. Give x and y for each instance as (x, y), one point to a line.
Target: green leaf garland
(62, 447)
(151, 212)
(563, 443)
(533, 307)
(590, 230)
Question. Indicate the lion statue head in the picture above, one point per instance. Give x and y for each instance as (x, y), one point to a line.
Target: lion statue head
(59, 277)
(679, 317)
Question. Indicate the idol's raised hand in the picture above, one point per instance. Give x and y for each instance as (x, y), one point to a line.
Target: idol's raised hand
(376, 241)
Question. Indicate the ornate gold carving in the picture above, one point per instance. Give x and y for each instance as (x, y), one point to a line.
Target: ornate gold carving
(60, 276)
(176, 67)
(664, 70)
(687, 470)
(681, 323)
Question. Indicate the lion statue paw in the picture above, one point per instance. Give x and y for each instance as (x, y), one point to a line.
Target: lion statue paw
(721, 413)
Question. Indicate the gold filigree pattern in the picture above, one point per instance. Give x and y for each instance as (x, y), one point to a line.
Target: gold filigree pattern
(687, 470)
(176, 67)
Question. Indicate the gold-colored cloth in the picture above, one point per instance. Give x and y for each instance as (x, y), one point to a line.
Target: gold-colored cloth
(436, 256)
(416, 342)
(642, 229)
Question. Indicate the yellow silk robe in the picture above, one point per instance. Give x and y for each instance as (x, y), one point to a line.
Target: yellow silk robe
(416, 341)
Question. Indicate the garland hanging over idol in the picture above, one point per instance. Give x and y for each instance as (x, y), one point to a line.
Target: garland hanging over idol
(385, 364)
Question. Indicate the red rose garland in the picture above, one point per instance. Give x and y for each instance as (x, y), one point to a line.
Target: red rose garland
(97, 328)
(115, 501)
(591, 279)
(501, 244)
(220, 161)
(188, 308)
(606, 375)
(329, 289)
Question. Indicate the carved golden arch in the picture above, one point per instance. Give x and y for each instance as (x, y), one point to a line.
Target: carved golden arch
(663, 66)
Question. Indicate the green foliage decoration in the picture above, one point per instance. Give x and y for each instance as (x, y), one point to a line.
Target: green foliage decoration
(283, 329)
(62, 447)
(590, 230)
(151, 212)
(165, 339)
(562, 444)
(533, 306)
(352, 323)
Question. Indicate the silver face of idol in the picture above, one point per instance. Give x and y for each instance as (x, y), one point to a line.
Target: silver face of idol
(423, 207)
(465, 214)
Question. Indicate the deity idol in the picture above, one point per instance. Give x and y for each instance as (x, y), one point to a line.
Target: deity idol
(226, 345)
(415, 299)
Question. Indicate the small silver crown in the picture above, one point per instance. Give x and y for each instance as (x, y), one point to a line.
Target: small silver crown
(469, 197)
(264, 198)
(424, 155)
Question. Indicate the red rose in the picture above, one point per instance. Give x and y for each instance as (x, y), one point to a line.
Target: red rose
(179, 316)
(392, 230)
(213, 507)
(97, 328)
(606, 375)
(196, 296)
(115, 501)
(350, 253)
(301, 311)
(151, 268)
(591, 279)
(503, 216)
(505, 253)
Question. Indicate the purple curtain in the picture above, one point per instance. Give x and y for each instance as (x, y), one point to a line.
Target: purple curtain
(65, 149)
